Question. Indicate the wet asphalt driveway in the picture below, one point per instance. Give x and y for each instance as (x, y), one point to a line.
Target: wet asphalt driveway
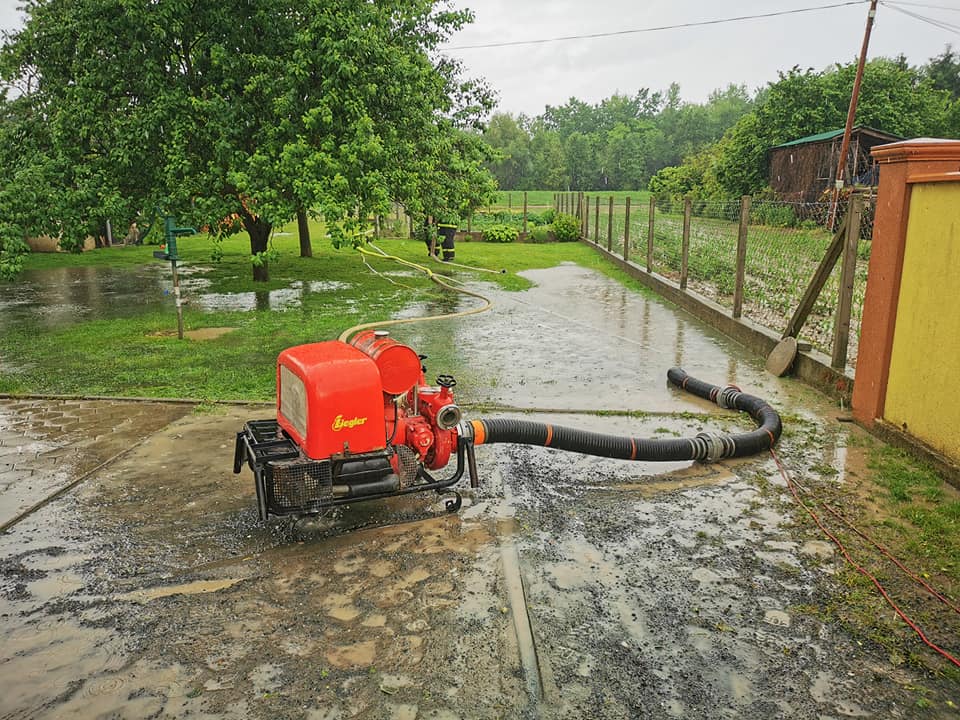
(566, 587)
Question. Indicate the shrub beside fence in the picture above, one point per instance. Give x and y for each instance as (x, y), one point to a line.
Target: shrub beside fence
(783, 246)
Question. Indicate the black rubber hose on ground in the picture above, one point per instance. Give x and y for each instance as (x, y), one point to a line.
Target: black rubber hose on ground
(705, 446)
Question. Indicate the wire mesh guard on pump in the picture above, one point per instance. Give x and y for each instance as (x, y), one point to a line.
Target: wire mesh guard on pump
(298, 486)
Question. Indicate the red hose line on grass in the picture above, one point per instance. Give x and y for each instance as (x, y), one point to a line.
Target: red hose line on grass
(863, 571)
(886, 553)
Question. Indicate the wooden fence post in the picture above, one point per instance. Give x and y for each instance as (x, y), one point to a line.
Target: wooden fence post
(685, 244)
(510, 202)
(586, 219)
(841, 325)
(596, 222)
(653, 209)
(741, 256)
(626, 231)
(524, 212)
(610, 226)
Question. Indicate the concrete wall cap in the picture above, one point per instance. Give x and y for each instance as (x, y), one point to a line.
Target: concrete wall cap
(918, 149)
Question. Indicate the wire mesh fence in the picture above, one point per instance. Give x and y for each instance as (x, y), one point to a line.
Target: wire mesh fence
(784, 245)
(712, 255)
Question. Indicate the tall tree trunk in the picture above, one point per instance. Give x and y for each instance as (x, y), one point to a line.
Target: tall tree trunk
(306, 249)
(259, 231)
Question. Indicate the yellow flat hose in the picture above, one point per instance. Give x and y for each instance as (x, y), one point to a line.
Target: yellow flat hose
(345, 335)
(450, 263)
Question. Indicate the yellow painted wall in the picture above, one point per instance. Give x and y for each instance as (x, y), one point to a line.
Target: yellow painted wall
(923, 392)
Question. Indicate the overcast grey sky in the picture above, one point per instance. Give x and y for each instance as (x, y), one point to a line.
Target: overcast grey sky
(700, 59)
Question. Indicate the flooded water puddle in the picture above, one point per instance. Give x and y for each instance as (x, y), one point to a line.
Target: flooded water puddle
(47, 299)
(580, 339)
(50, 299)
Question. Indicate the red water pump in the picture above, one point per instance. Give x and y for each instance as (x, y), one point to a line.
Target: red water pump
(358, 421)
(354, 421)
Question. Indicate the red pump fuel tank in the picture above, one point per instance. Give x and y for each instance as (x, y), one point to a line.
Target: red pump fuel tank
(330, 399)
(399, 364)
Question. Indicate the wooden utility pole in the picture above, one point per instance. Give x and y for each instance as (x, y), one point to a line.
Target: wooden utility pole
(851, 114)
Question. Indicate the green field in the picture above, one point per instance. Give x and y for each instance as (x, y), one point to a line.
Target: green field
(545, 198)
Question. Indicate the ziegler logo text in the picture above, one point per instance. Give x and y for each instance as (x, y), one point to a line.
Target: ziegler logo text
(339, 423)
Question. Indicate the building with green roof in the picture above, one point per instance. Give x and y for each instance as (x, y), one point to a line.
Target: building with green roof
(802, 170)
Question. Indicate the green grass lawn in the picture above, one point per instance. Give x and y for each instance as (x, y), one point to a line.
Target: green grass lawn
(142, 356)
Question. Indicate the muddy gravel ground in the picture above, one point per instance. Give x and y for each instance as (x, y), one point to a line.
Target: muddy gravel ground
(566, 587)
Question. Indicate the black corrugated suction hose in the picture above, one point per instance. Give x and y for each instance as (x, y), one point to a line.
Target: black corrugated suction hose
(705, 446)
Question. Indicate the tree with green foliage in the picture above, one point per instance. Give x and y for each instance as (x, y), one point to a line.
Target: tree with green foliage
(511, 165)
(458, 182)
(24, 183)
(627, 155)
(581, 159)
(234, 114)
(548, 168)
(616, 144)
(943, 71)
(894, 98)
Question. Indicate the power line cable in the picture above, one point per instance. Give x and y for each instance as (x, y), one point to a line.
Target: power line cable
(941, 24)
(926, 6)
(678, 26)
(935, 22)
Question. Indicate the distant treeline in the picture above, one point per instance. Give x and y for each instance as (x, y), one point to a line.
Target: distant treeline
(715, 149)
